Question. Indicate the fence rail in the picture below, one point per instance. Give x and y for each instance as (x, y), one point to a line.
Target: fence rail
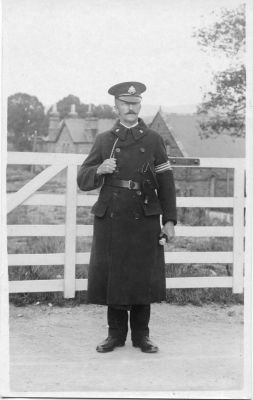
(70, 230)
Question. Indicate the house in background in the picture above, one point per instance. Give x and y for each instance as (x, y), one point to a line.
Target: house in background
(181, 135)
(73, 134)
(182, 139)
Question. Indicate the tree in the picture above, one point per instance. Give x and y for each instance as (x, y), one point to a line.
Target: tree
(26, 118)
(64, 106)
(82, 110)
(104, 111)
(223, 108)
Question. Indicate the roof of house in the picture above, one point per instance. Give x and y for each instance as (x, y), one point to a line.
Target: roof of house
(184, 129)
(105, 124)
(53, 133)
(78, 129)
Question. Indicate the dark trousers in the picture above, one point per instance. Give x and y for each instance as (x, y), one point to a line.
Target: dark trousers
(139, 320)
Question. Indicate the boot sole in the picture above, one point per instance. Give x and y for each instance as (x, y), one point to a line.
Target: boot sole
(155, 350)
(107, 350)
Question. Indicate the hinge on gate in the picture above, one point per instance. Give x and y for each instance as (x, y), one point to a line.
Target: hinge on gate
(184, 161)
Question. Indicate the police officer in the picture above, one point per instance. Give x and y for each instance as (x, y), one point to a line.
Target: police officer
(127, 267)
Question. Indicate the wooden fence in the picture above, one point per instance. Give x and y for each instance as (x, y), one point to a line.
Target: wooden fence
(56, 163)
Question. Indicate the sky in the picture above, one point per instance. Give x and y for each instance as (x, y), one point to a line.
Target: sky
(52, 48)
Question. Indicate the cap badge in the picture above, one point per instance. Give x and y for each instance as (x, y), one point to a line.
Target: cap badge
(131, 90)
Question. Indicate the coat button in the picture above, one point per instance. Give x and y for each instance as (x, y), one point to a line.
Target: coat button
(117, 130)
(142, 150)
(136, 216)
(141, 131)
(117, 150)
(138, 192)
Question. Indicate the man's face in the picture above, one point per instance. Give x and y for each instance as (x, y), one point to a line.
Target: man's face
(127, 112)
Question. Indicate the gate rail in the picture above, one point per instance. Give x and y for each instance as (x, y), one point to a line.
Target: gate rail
(71, 199)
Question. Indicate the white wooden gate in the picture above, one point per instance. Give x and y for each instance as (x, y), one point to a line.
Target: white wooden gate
(57, 162)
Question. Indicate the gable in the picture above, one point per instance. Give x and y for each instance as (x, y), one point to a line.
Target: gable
(64, 136)
(54, 130)
(159, 125)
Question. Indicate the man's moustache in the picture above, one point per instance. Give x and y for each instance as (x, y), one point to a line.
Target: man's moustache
(131, 112)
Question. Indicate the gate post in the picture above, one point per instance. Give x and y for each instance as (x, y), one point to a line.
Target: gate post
(238, 245)
(70, 233)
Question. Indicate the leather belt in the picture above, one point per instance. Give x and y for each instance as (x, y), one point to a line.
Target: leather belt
(125, 184)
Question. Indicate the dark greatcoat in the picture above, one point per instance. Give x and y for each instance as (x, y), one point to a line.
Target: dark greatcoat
(127, 262)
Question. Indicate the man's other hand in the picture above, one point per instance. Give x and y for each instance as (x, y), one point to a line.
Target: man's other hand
(169, 230)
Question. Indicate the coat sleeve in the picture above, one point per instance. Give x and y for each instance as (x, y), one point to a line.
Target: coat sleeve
(166, 191)
(87, 178)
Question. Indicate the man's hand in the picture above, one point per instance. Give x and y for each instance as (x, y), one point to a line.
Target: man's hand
(169, 230)
(107, 167)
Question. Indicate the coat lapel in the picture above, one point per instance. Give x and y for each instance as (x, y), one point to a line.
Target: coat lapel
(138, 131)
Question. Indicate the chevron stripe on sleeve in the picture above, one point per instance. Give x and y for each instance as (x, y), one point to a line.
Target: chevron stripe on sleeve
(163, 167)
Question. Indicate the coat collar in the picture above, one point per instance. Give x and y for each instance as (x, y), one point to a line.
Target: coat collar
(138, 131)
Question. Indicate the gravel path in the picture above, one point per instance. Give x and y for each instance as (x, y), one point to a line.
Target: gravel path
(52, 349)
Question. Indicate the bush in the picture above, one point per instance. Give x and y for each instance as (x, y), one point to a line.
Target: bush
(198, 297)
(55, 298)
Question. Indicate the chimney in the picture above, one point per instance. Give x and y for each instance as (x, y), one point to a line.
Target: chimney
(54, 122)
(91, 123)
(73, 113)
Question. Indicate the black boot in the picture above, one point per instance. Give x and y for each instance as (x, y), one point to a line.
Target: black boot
(118, 325)
(146, 345)
(109, 344)
(139, 320)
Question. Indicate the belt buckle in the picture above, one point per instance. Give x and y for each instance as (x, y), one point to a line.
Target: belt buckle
(131, 184)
